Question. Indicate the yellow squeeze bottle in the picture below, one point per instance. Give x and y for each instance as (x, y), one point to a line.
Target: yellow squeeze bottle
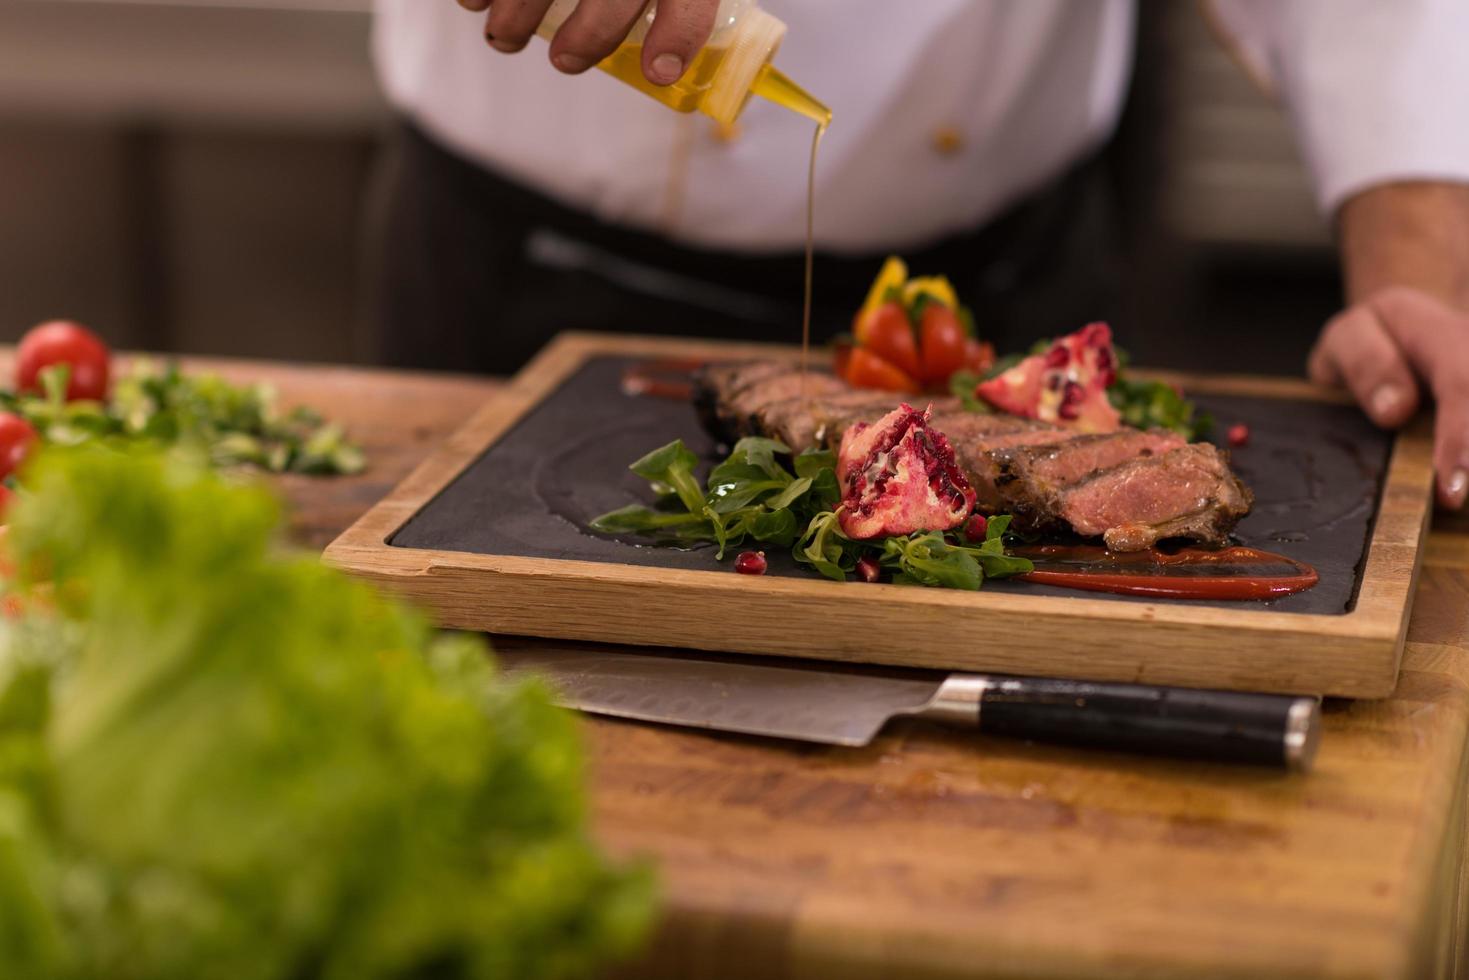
(735, 64)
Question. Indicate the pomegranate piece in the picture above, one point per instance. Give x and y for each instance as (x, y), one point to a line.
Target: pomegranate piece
(868, 569)
(751, 563)
(1067, 384)
(976, 528)
(899, 476)
(1238, 435)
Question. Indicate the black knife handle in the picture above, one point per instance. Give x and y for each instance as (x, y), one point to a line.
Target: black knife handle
(1226, 726)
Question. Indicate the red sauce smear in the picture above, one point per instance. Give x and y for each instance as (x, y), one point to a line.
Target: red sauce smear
(1101, 570)
(667, 377)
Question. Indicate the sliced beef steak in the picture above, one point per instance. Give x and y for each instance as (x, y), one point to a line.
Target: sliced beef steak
(740, 395)
(975, 437)
(1131, 488)
(802, 423)
(1029, 479)
(1188, 492)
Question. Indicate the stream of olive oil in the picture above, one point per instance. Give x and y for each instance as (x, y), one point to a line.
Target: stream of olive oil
(771, 84)
(688, 94)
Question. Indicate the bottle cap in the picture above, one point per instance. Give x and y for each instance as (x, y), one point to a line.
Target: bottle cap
(756, 40)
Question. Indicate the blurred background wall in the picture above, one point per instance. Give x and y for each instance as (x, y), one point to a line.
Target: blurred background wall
(192, 175)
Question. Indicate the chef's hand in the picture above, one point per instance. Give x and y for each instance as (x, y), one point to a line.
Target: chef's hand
(1405, 338)
(596, 28)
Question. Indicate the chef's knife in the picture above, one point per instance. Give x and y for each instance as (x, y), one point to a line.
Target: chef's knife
(841, 705)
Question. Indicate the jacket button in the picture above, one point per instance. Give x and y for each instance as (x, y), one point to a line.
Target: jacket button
(947, 140)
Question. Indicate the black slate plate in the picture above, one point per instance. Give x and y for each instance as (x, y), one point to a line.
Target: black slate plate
(1316, 470)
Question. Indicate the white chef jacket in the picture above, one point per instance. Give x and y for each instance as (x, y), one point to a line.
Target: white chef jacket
(945, 111)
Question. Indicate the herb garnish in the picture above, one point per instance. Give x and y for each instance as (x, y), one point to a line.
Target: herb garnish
(227, 424)
(751, 495)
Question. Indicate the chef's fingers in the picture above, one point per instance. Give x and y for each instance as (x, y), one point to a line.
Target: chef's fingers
(679, 31)
(478, 6)
(592, 32)
(512, 23)
(1436, 338)
(1451, 450)
(1357, 350)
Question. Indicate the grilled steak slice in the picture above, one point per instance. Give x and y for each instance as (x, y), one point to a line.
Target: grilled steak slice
(1131, 488)
(975, 437)
(742, 411)
(728, 397)
(716, 384)
(801, 423)
(1029, 479)
(727, 379)
(1188, 492)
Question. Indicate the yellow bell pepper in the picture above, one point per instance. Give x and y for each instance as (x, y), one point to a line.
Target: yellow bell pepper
(893, 275)
(937, 287)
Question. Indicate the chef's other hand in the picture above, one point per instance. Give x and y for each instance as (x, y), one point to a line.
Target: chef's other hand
(597, 27)
(1392, 348)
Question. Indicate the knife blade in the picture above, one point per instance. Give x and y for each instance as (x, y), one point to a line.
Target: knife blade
(849, 705)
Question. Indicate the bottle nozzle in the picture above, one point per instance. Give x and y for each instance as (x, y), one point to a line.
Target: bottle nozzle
(771, 83)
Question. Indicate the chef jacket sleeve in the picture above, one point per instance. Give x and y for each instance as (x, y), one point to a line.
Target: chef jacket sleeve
(1378, 89)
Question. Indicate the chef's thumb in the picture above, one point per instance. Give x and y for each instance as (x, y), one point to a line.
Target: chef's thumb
(679, 32)
(1356, 350)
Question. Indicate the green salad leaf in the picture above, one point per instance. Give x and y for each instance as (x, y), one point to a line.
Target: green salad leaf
(748, 496)
(825, 548)
(218, 760)
(226, 424)
(1155, 404)
(752, 496)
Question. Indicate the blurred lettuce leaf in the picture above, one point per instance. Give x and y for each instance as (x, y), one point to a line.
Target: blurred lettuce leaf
(221, 761)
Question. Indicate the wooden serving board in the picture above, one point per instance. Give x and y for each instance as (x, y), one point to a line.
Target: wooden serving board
(488, 534)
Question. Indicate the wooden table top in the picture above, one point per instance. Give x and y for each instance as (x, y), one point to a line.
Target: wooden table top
(934, 854)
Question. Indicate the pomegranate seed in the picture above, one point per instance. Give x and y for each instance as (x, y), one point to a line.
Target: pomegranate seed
(868, 570)
(1057, 357)
(977, 527)
(751, 563)
(1238, 435)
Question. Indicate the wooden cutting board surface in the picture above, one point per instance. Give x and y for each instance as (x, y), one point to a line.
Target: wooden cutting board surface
(934, 855)
(490, 534)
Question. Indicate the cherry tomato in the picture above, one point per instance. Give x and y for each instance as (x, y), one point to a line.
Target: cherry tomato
(943, 343)
(841, 357)
(889, 335)
(867, 370)
(16, 439)
(979, 356)
(64, 342)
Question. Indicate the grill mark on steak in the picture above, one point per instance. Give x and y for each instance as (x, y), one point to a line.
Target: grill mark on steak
(1188, 492)
(803, 423)
(1029, 479)
(744, 395)
(717, 384)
